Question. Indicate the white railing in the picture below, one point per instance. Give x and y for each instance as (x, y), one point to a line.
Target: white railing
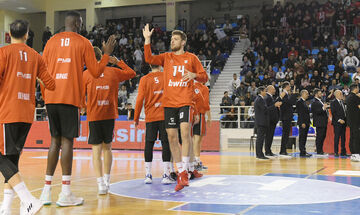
(207, 65)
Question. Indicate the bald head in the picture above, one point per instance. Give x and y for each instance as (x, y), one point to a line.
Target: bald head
(271, 90)
(73, 21)
(338, 94)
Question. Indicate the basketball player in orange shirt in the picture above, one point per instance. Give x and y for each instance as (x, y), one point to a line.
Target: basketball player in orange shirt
(66, 53)
(19, 67)
(151, 91)
(180, 70)
(102, 110)
(201, 98)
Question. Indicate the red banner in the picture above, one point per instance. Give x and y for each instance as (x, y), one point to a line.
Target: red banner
(125, 136)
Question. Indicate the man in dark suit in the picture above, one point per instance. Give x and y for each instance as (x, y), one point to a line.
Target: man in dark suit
(288, 99)
(261, 121)
(303, 122)
(338, 113)
(320, 118)
(273, 119)
(353, 121)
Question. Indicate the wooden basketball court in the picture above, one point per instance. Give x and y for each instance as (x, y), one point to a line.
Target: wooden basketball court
(129, 165)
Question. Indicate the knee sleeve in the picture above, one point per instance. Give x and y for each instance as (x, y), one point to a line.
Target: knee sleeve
(7, 167)
(148, 153)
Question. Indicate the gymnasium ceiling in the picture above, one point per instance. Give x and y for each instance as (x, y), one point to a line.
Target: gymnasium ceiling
(22, 6)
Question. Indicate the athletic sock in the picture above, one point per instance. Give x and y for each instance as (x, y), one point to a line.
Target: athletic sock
(23, 192)
(192, 166)
(107, 179)
(65, 188)
(185, 161)
(179, 166)
(8, 199)
(197, 159)
(48, 180)
(172, 169)
(167, 168)
(148, 168)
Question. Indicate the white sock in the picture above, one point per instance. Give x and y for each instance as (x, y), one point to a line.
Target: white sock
(23, 192)
(100, 180)
(172, 169)
(48, 180)
(107, 178)
(167, 168)
(179, 167)
(148, 168)
(65, 188)
(192, 166)
(197, 159)
(8, 199)
(185, 161)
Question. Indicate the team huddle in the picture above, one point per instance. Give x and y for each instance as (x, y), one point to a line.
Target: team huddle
(176, 102)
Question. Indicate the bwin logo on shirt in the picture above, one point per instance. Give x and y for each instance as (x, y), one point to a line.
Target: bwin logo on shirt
(178, 83)
(22, 75)
(62, 76)
(64, 60)
(106, 87)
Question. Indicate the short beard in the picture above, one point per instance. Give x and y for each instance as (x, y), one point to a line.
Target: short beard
(175, 49)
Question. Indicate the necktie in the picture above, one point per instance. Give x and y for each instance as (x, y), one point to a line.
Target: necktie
(343, 107)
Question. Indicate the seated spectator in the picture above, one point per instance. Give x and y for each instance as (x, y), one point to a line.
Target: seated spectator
(245, 66)
(201, 55)
(351, 63)
(226, 101)
(123, 41)
(280, 75)
(270, 71)
(228, 28)
(230, 119)
(262, 65)
(290, 61)
(276, 57)
(341, 52)
(122, 109)
(160, 46)
(253, 89)
(293, 52)
(317, 78)
(346, 90)
(241, 90)
(266, 80)
(220, 34)
(326, 80)
(345, 79)
(248, 79)
(309, 64)
(233, 85)
(123, 94)
(305, 81)
(250, 55)
(334, 85)
(130, 111)
(299, 69)
(219, 60)
(332, 55)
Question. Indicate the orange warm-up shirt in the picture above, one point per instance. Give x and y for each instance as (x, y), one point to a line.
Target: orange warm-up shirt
(102, 92)
(201, 98)
(66, 54)
(177, 93)
(19, 67)
(151, 90)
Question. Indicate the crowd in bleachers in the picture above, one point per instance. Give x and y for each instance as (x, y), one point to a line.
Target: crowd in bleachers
(311, 45)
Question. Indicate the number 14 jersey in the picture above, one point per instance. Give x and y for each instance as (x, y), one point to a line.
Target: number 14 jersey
(177, 93)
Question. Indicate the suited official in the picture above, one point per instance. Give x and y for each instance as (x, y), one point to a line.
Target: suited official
(338, 113)
(320, 119)
(353, 121)
(286, 114)
(261, 121)
(273, 119)
(303, 122)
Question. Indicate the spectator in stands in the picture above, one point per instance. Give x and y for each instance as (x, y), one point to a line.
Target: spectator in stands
(351, 62)
(354, 43)
(305, 82)
(233, 85)
(138, 56)
(160, 46)
(219, 61)
(334, 85)
(341, 52)
(245, 66)
(262, 65)
(345, 79)
(241, 90)
(332, 55)
(253, 90)
(250, 55)
(290, 62)
(130, 111)
(123, 41)
(280, 75)
(123, 94)
(228, 28)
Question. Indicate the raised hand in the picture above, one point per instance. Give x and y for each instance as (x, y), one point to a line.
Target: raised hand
(113, 60)
(147, 33)
(109, 46)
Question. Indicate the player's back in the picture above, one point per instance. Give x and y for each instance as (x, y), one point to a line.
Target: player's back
(152, 87)
(20, 65)
(65, 55)
(102, 95)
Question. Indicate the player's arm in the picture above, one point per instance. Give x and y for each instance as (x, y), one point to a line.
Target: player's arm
(96, 68)
(149, 58)
(45, 79)
(139, 101)
(84, 91)
(125, 73)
